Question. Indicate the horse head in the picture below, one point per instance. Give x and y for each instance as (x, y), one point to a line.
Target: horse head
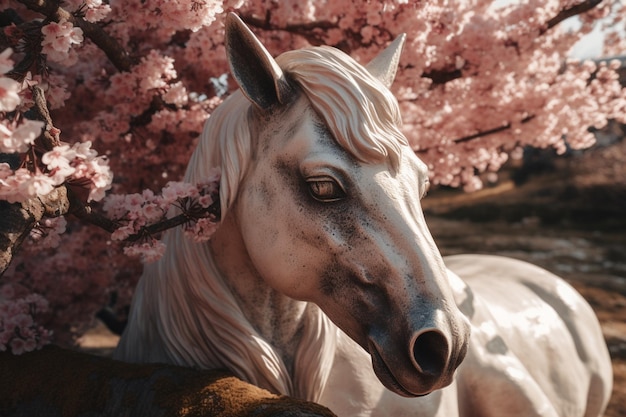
(328, 206)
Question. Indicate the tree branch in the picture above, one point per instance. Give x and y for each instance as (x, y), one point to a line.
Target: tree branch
(113, 50)
(307, 30)
(50, 135)
(18, 219)
(572, 11)
(484, 133)
(86, 214)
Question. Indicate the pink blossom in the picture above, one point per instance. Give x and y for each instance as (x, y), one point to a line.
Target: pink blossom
(58, 162)
(87, 165)
(152, 212)
(134, 202)
(83, 150)
(6, 63)
(47, 232)
(19, 331)
(18, 346)
(12, 188)
(154, 71)
(176, 94)
(205, 200)
(114, 206)
(19, 138)
(201, 230)
(22, 320)
(94, 10)
(23, 185)
(30, 345)
(7, 292)
(212, 180)
(37, 301)
(26, 133)
(174, 191)
(148, 252)
(56, 91)
(123, 232)
(58, 39)
(38, 185)
(9, 94)
(5, 170)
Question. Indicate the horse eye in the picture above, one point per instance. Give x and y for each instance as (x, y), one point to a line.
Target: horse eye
(325, 190)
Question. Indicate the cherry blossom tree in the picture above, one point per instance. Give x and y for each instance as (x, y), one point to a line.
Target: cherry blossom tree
(109, 97)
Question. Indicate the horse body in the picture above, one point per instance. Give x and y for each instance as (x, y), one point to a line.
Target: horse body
(323, 281)
(537, 348)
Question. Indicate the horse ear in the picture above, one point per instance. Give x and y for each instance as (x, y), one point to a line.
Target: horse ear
(257, 73)
(385, 65)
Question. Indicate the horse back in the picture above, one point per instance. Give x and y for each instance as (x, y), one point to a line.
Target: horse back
(536, 344)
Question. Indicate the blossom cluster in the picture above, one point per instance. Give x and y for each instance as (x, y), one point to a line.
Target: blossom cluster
(165, 18)
(9, 88)
(77, 165)
(58, 39)
(93, 10)
(16, 135)
(78, 277)
(47, 233)
(135, 213)
(19, 330)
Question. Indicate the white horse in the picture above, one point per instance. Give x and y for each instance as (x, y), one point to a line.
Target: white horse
(323, 281)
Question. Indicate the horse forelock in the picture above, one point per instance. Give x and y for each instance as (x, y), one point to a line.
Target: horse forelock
(360, 112)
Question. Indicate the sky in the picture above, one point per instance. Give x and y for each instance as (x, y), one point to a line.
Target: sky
(590, 46)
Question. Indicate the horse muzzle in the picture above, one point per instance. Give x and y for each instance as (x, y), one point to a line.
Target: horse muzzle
(429, 364)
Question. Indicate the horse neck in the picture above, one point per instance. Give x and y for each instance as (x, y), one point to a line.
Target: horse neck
(298, 333)
(277, 318)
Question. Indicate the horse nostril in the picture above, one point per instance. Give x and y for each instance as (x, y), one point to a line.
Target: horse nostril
(430, 352)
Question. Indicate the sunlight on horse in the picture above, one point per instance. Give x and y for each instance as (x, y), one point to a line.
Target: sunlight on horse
(323, 281)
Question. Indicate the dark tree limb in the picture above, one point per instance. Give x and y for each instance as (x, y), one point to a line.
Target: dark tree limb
(50, 136)
(86, 214)
(488, 132)
(311, 31)
(580, 8)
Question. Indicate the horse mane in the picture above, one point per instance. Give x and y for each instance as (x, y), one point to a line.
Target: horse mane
(184, 312)
(360, 112)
